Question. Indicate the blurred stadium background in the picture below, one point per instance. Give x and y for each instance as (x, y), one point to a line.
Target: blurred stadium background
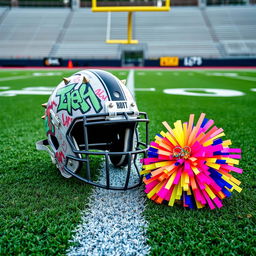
(39, 210)
(193, 33)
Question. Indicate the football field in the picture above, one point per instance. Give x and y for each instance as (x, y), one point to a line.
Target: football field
(39, 209)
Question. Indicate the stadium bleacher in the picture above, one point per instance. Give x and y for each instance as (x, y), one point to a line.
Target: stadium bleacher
(184, 31)
(181, 32)
(235, 29)
(85, 36)
(30, 32)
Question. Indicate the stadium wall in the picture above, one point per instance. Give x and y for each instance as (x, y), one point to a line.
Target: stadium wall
(181, 62)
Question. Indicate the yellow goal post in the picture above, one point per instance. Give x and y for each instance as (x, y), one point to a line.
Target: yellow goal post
(129, 9)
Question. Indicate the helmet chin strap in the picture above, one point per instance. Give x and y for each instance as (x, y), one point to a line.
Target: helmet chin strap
(42, 145)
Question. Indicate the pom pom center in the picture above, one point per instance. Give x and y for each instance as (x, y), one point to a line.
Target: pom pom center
(179, 152)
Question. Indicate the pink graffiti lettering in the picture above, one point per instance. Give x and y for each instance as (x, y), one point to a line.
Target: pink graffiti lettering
(60, 156)
(100, 93)
(50, 127)
(64, 146)
(66, 120)
(53, 103)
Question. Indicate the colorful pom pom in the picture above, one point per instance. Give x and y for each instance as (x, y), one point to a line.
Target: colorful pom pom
(191, 164)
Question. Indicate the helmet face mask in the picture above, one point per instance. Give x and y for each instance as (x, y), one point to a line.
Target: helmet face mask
(91, 116)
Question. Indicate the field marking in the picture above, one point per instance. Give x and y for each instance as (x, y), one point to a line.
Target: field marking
(253, 89)
(28, 91)
(47, 74)
(36, 74)
(232, 75)
(4, 87)
(175, 91)
(247, 78)
(13, 78)
(113, 224)
(14, 93)
(222, 74)
(145, 89)
(122, 73)
(130, 82)
(208, 92)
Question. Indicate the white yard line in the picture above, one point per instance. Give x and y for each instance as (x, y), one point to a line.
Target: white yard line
(233, 75)
(247, 78)
(145, 89)
(130, 81)
(113, 224)
(13, 78)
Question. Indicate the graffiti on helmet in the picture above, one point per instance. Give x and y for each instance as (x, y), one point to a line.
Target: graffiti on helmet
(49, 127)
(78, 98)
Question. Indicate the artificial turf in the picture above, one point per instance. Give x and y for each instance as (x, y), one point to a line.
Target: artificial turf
(230, 230)
(39, 208)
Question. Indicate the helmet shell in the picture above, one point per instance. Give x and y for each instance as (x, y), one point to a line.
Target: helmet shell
(85, 93)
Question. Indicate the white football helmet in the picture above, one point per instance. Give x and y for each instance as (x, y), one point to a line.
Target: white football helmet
(90, 114)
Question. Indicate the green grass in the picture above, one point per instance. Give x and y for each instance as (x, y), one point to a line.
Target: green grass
(39, 208)
(230, 230)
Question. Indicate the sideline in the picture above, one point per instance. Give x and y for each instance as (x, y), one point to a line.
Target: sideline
(248, 68)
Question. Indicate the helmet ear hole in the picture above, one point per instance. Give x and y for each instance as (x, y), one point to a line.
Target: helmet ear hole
(54, 142)
(122, 143)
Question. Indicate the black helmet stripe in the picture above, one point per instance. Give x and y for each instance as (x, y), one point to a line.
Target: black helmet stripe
(111, 84)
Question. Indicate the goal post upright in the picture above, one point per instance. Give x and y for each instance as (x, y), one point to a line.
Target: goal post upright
(130, 10)
(96, 8)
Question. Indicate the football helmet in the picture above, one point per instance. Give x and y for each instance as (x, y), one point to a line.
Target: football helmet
(92, 117)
